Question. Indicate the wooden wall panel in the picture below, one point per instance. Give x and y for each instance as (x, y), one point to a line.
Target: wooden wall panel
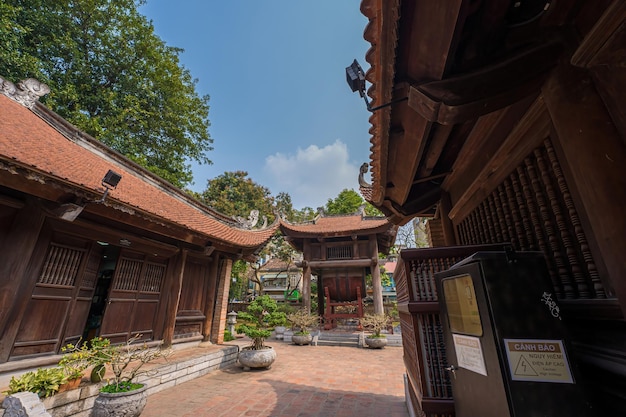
(533, 210)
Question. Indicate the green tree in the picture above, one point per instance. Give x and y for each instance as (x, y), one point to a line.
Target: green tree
(112, 77)
(348, 202)
(235, 194)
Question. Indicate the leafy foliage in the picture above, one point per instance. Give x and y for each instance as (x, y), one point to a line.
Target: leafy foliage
(235, 194)
(261, 316)
(348, 202)
(44, 381)
(112, 77)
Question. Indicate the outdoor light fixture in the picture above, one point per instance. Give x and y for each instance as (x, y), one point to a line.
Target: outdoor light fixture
(110, 181)
(356, 80)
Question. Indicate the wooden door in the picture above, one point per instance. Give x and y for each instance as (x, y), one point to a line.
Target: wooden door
(134, 296)
(60, 300)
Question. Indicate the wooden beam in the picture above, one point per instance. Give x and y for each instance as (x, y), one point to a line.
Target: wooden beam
(469, 96)
(527, 135)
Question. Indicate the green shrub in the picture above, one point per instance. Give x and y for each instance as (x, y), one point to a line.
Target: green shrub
(44, 382)
(228, 336)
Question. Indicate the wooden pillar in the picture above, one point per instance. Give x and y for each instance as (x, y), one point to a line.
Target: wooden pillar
(377, 285)
(595, 153)
(173, 297)
(16, 285)
(449, 235)
(209, 302)
(306, 288)
(221, 302)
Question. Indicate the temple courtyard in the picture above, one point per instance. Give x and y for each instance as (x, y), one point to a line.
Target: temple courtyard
(305, 381)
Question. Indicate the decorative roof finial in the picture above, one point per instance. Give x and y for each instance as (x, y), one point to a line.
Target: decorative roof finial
(362, 171)
(26, 92)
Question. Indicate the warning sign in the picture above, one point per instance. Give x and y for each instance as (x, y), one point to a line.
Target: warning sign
(538, 360)
(469, 354)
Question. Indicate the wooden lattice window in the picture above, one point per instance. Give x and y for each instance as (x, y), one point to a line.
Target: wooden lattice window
(339, 252)
(128, 274)
(154, 278)
(533, 209)
(61, 265)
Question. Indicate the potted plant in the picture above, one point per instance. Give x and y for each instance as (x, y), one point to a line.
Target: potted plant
(44, 382)
(260, 317)
(80, 356)
(122, 395)
(302, 320)
(376, 323)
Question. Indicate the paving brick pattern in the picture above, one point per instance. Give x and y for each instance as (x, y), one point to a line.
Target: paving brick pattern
(305, 381)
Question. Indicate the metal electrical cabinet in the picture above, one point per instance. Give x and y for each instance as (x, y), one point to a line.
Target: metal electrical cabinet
(505, 340)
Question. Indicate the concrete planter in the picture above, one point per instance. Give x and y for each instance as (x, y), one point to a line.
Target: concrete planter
(249, 358)
(127, 404)
(279, 332)
(302, 339)
(376, 342)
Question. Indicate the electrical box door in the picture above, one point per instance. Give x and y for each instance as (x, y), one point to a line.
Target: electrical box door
(506, 345)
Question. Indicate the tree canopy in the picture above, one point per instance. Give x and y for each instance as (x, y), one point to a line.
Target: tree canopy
(349, 201)
(112, 77)
(235, 194)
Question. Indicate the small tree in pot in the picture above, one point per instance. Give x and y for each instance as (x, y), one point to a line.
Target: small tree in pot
(376, 323)
(260, 317)
(303, 321)
(123, 395)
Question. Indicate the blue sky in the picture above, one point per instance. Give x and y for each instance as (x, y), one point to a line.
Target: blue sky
(280, 105)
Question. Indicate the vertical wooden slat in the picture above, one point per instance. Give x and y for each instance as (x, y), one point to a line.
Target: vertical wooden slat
(572, 215)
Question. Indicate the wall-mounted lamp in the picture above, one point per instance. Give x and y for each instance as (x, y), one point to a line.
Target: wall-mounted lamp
(110, 181)
(356, 80)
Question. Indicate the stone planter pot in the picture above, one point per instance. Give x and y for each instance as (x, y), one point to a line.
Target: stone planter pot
(376, 342)
(250, 358)
(127, 404)
(302, 339)
(280, 332)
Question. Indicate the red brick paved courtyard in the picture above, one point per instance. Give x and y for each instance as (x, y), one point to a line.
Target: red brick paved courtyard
(305, 381)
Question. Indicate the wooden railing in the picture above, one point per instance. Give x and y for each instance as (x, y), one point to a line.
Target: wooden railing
(430, 392)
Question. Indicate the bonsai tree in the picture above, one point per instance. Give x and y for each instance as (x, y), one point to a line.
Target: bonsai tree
(126, 363)
(376, 323)
(303, 321)
(260, 318)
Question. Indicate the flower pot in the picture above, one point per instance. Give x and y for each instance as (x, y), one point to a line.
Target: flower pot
(118, 404)
(263, 358)
(376, 342)
(70, 384)
(302, 339)
(97, 373)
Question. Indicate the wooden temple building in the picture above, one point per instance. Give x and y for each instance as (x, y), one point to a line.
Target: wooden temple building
(341, 250)
(506, 123)
(93, 244)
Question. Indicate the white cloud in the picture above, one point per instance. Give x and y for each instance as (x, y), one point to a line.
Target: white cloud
(312, 175)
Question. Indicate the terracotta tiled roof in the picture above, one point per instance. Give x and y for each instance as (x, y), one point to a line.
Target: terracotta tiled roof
(28, 141)
(275, 264)
(336, 225)
(381, 33)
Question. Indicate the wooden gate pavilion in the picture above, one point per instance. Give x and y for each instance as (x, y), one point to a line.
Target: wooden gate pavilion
(341, 250)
